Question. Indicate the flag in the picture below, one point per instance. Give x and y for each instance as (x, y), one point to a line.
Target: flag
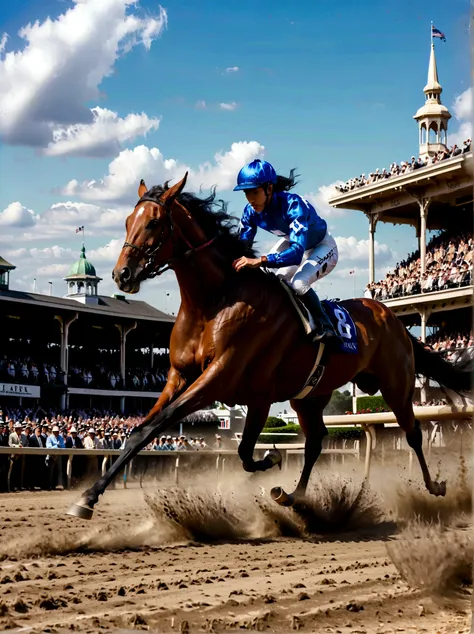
(80, 229)
(437, 33)
(224, 423)
(351, 272)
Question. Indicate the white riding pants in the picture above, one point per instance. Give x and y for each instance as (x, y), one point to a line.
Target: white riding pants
(316, 264)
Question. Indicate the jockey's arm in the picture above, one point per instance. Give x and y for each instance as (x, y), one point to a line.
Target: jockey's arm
(297, 217)
(247, 228)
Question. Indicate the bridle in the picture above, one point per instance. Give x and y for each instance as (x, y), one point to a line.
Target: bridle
(149, 252)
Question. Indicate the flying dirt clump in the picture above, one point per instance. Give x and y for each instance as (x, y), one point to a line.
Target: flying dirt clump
(339, 505)
(413, 502)
(331, 506)
(435, 559)
(198, 516)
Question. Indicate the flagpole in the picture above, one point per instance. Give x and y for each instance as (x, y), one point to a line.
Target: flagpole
(431, 33)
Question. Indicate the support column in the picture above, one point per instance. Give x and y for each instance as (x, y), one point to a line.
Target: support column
(373, 219)
(424, 206)
(64, 325)
(152, 356)
(123, 330)
(424, 315)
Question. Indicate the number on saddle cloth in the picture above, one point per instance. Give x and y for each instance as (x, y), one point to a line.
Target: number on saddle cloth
(344, 325)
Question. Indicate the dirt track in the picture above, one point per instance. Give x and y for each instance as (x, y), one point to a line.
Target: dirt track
(131, 568)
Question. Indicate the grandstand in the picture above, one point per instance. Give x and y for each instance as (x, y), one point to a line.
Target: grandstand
(433, 287)
(82, 350)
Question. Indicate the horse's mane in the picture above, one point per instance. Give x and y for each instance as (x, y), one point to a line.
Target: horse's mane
(211, 215)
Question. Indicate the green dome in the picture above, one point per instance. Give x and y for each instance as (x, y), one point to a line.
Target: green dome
(82, 267)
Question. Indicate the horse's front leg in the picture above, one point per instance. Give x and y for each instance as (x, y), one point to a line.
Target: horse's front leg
(175, 385)
(214, 384)
(256, 418)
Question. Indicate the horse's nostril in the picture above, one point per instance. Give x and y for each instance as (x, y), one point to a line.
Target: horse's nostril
(125, 274)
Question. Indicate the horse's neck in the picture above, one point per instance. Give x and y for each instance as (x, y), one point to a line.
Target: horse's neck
(199, 279)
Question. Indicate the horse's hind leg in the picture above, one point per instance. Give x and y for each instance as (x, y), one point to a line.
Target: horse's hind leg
(310, 417)
(254, 423)
(403, 410)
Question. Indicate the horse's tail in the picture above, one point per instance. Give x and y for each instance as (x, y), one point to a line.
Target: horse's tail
(454, 376)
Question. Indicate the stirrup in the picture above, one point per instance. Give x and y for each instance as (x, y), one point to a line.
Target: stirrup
(328, 336)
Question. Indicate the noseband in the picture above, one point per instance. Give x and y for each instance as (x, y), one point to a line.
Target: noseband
(149, 252)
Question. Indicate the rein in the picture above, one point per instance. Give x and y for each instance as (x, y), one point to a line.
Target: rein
(149, 252)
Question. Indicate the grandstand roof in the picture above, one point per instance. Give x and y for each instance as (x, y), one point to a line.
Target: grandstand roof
(448, 183)
(107, 306)
(6, 265)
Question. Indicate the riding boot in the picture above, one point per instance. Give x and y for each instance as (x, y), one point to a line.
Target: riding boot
(324, 329)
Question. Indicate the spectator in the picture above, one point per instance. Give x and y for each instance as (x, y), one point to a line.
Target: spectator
(91, 441)
(449, 264)
(404, 167)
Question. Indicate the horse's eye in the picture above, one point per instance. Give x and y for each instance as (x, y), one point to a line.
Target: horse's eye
(152, 224)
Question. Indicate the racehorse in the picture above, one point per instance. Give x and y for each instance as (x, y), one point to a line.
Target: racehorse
(238, 339)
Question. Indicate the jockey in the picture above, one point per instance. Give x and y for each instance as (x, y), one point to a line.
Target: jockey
(306, 251)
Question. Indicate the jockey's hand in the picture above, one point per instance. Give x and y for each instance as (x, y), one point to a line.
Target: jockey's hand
(250, 263)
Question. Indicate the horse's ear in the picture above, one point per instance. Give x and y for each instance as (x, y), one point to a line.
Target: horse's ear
(142, 189)
(175, 191)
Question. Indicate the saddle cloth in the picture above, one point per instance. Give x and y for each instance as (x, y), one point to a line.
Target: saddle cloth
(343, 324)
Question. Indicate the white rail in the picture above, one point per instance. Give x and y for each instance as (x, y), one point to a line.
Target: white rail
(365, 421)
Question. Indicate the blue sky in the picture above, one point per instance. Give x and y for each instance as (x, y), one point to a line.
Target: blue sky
(329, 87)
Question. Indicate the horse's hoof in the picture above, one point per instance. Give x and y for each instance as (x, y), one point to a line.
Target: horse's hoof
(83, 511)
(281, 497)
(273, 457)
(439, 488)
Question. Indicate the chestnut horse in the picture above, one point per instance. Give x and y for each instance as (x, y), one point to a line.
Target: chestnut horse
(238, 339)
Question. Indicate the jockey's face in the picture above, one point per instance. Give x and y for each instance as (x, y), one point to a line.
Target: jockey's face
(258, 198)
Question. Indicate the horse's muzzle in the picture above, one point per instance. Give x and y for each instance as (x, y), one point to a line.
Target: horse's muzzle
(125, 280)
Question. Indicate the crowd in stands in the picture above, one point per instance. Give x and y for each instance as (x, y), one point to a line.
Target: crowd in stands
(449, 264)
(453, 343)
(18, 369)
(26, 370)
(83, 431)
(404, 167)
(101, 377)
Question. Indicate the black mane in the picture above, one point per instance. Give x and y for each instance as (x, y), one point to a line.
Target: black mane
(211, 215)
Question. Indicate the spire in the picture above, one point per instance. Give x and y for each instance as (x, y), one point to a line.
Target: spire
(433, 85)
(433, 117)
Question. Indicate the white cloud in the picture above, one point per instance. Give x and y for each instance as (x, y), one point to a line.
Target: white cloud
(120, 184)
(228, 106)
(16, 215)
(47, 84)
(232, 69)
(319, 200)
(462, 106)
(59, 222)
(3, 42)
(102, 137)
(356, 252)
(462, 109)
(107, 254)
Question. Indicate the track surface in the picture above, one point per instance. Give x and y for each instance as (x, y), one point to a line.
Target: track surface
(128, 579)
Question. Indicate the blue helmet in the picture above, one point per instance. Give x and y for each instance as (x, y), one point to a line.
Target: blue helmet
(255, 174)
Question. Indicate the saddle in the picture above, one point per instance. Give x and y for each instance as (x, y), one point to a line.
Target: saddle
(342, 322)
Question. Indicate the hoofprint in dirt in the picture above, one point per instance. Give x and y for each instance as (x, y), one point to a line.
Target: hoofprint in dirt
(138, 565)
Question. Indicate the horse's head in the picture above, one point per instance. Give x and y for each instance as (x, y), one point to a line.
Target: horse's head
(152, 231)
